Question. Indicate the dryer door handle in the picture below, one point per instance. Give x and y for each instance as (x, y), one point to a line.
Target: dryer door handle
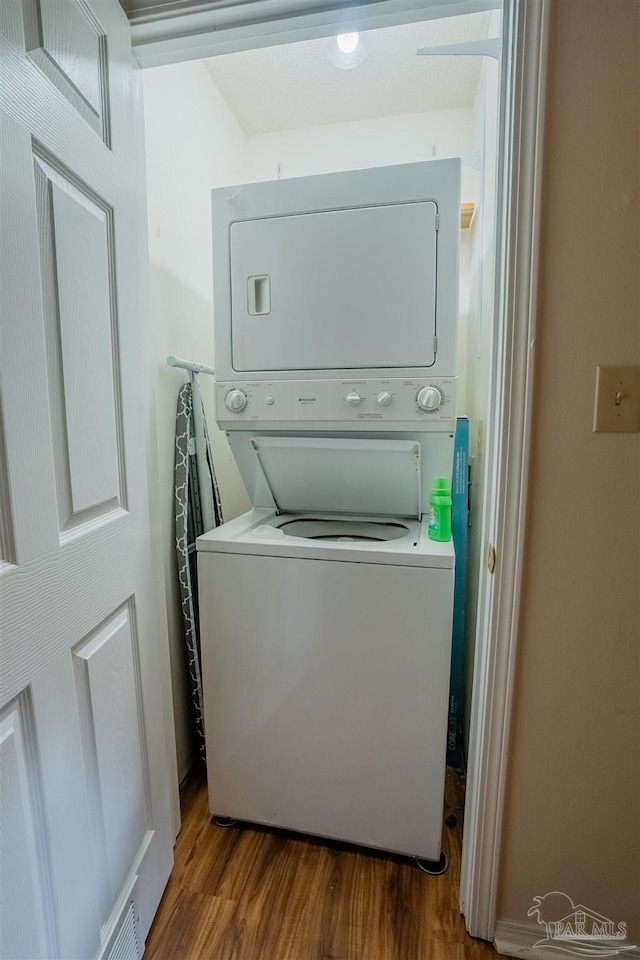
(259, 296)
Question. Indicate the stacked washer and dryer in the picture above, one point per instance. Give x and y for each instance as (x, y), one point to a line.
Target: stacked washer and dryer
(326, 610)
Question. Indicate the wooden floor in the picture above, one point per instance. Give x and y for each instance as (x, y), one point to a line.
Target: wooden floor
(252, 893)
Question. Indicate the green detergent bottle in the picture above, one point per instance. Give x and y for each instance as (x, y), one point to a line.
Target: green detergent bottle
(440, 516)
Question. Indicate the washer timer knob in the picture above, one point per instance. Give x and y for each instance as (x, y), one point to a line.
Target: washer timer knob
(236, 401)
(353, 399)
(384, 398)
(430, 399)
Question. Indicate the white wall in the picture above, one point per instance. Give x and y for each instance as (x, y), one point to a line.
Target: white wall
(362, 143)
(193, 143)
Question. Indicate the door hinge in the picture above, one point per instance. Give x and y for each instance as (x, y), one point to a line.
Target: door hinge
(492, 558)
(437, 221)
(435, 345)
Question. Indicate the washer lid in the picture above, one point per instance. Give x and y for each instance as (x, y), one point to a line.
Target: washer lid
(338, 476)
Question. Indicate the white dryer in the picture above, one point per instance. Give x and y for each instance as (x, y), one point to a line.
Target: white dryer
(337, 276)
(326, 611)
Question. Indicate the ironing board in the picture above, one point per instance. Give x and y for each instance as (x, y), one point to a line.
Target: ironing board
(189, 525)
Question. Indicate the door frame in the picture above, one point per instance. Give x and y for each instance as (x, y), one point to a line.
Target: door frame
(166, 32)
(172, 31)
(523, 83)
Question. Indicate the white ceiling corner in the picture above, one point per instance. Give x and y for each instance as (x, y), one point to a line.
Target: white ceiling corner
(297, 85)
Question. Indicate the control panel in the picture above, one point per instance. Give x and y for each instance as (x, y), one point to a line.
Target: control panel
(425, 403)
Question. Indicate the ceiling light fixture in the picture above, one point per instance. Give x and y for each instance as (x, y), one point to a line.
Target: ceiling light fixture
(347, 42)
(346, 50)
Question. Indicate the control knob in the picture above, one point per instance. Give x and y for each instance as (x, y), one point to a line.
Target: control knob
(353, 399)
(384, 398)
(430, 399)
(236, 401)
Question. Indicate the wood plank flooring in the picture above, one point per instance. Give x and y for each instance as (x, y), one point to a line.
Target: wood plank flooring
(253, 893)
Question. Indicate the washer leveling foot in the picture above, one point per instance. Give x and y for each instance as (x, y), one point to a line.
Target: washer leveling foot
(224, 821)
(433, 867)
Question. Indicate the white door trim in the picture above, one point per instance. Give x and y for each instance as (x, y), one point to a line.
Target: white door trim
(147, 374)
(526, 28)
(166, 33)
(159, 38)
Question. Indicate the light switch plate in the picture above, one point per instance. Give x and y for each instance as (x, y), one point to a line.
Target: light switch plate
(617, 406)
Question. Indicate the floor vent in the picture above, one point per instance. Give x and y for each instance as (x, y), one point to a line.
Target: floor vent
(126, 945)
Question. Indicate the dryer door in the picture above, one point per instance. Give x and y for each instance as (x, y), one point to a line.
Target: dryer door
(338, 289)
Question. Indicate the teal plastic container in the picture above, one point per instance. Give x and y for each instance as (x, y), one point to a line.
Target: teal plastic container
(440, 515)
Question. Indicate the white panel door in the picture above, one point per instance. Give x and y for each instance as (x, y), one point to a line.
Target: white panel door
(85, 820)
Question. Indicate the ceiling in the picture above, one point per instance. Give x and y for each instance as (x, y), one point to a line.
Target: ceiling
(298, 85)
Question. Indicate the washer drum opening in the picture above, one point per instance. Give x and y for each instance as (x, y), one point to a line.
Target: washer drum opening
(317, 528)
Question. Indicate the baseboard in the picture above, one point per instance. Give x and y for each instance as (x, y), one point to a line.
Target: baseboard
(517, 940)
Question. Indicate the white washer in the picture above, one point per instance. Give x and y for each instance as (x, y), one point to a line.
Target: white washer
(326, 642)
